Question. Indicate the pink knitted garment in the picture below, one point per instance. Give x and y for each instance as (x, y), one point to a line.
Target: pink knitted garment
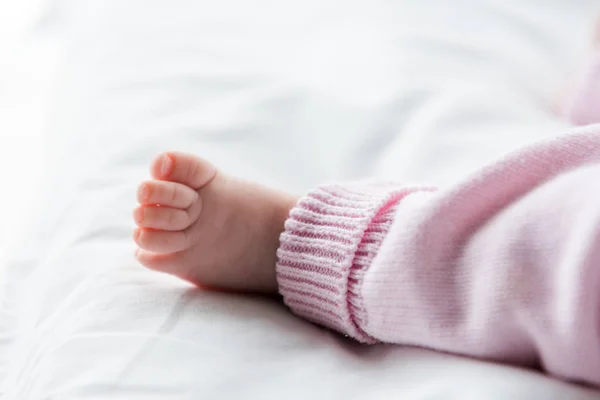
(504, 266)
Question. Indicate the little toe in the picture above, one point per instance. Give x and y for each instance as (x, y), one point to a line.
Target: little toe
(156, 261)
(160, 241)
(165, 218)
(183, 168)
(170, 194)
(170, 263)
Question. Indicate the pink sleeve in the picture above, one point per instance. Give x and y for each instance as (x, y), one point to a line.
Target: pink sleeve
(504, 266)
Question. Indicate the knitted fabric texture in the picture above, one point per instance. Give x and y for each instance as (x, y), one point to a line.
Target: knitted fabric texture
(503, 266)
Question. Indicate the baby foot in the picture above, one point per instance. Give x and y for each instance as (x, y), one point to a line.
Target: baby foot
(208, 228)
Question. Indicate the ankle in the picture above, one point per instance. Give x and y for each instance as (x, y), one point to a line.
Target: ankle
(281, 212)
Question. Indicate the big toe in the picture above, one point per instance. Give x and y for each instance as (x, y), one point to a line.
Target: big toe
(183, 168)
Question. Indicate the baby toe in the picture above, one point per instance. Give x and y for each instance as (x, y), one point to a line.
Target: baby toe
(165, 218)
(170, 194)
(161, 241)
(183, 168)
(170, 263)
(155, 261)
(163, 262)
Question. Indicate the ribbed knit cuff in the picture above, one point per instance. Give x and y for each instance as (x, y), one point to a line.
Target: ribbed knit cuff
(330, 239)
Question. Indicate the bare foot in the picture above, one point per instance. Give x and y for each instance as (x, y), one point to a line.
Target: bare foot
(208, 228)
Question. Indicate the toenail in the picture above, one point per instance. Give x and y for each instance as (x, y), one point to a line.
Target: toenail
(165, 165)
(144, 192)
(138, 215)
(136, 233)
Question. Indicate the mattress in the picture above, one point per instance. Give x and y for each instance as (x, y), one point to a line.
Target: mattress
(290, 94)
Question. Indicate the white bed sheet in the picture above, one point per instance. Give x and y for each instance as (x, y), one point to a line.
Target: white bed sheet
(291, 94)
(27, 66)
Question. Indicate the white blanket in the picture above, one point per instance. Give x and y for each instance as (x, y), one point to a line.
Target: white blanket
(290, 93)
